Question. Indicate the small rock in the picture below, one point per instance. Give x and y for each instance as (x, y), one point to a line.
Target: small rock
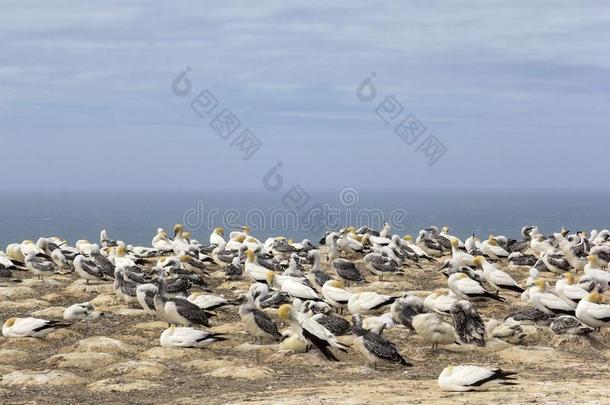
(8, 356)
(138, 369)
(102, 344)
(34, 378)
(116, 385)
(87, 361)
(50, 313)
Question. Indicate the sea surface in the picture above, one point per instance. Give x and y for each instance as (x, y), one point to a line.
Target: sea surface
(135, 216)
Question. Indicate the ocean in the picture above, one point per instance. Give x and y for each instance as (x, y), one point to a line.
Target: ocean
(135, 216)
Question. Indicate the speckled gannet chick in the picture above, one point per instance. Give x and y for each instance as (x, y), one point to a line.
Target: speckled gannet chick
(473, 378)
(375, 348)
(347, 271)
(467, 323)
(258, 323)
(404, 309)
(39, 264)
(31, 327)
(83, 311)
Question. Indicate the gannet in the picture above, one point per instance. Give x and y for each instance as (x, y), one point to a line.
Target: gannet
(404, 309)
(162, 243)
(210, 302)
(335, 294)
(378, 324)
(571, 252)
(594, 272)
(60, 260)
(235, 270)
(375, 348)
(540, 245)
(592, 312)
(473, 378)
(430, 328)
(124, 288)
(216, 237)
(466, 288)
(274, 300)
(555, 261)
(13, 251)
(39, 264)
(467, 323)
(87, 269)
(257, 323)
(406, 243)
(292, 342)
(439, 302)
(188, 337)
(364, 303)
(508, 331)
(381, 265)
(567, 289)
(31, 327)
(335, 324)
(145, 293)
(84, 311)
(547, 302)
(428, 245)
(347, 271)
(293, 287)
(518, 259)
(311, 331)
(316, 276)
(255, 271)
(84, 246)
(530, 316)
(491, 249)
(569, 325)
(180, 311)
(192, 264)
(459, 257)
(497, 278)
(602, 253)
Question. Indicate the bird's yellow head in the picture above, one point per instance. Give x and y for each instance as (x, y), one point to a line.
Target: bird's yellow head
(445, 229)
(408, 238)
(540, 283)
(246, 229)
(120, 251)
(185, 258)
(569, 278)
(592, 259)
(270, 276)
(290, 241)
(186, 235)
(337, 283)
(594, 297)
(240, 238)
(478, 260)
(10, 322)
(250, 255)
(284, 311)
(492, 241)
(455, 243)
(219, 231)
(178, 228)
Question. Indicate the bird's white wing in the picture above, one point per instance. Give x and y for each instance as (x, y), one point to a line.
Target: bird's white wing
(469, 375)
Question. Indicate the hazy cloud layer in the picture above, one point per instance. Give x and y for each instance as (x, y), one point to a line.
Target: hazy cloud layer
(519, 94)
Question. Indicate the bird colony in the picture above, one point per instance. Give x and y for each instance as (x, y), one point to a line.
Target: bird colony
(358, 307)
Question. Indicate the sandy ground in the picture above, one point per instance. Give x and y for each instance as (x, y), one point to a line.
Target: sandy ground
(117, 359)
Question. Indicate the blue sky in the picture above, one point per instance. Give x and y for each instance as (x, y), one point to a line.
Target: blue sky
(519, 93)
